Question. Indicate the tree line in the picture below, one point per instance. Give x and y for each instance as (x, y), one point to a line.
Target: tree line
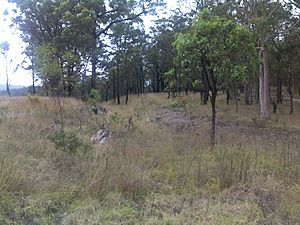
(249, 47)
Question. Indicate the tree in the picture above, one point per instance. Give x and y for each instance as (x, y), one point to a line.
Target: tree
(4, 48)
(290, 64)
(29, 52)
(75, 29)
(223, 49)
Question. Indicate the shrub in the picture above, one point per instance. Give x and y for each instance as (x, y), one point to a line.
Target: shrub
(95, 97)
(67, 142)
(115, 118)
(175, 104)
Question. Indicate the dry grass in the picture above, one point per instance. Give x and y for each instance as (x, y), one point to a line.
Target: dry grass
(152, 173)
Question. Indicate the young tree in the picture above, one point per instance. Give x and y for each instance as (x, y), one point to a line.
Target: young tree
(4, 48)
(224, 50)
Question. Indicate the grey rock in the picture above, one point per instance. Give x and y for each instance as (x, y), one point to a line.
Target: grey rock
(101, 137)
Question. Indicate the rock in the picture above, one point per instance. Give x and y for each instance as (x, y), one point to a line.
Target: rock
(101, 137)
(97, 109)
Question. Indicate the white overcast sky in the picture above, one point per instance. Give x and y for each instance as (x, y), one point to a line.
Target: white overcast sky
(23, 77)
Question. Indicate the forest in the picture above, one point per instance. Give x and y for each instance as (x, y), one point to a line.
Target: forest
(192, 118)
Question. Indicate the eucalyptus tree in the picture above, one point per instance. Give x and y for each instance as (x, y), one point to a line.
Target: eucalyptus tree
(267, 20)
(160, 53)
(160, 56)
(4, 48)
(75, 28)
(289, 64)
(127, 42)
(223, 49)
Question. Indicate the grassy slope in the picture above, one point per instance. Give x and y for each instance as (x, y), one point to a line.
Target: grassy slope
(161, 171)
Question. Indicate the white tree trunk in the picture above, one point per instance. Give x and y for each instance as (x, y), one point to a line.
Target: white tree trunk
(264, 84)
(261, 90)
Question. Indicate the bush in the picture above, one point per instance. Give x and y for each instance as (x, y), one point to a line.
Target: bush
(95, 97)
(68, 142)
(175, 104)
(115, 118)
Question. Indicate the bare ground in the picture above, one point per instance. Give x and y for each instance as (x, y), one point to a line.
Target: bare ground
(178, 121)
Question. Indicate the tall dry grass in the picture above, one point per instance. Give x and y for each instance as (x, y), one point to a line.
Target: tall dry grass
(150, 158)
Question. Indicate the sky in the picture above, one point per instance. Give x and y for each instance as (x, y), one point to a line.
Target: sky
(21, 76)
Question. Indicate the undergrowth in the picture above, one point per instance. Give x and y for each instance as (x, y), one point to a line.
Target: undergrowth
(148, 173)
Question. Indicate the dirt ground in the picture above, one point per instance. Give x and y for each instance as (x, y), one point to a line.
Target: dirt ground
(178, 121)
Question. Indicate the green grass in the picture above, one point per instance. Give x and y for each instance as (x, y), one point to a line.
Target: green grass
(150, 174)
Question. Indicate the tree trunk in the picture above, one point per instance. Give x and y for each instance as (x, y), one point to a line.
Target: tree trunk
(264, 92)
(7, 80)
(291, 104)
(94, 58)
(157, 79)
(279, 90)
(227, 97)
(261, 90)
(213, 120)
(127, 90)
(266, 84)
(290, 90)
(33, 82)
(114, 85)
(7, 88)
(274, 104)
(118, 85)
(236, 103)
(247, 94)
(94, 75)
(257, 91)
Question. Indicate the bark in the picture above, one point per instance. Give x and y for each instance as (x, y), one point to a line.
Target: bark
(257, 90)
(247, 94)
(114, 85)
(7, 80)
(261, 90)
(157, 79)
(127, 90)
(264, 92)
(279, 90)
(33, 83)
(274, 104)
(213, 120)
(236, 103)
(94, 58)
(266, 84)
(94, 75)
(291, 104)
(118, 85)
(290, 90)
(7, 88)
(227, 97)
(204, 89)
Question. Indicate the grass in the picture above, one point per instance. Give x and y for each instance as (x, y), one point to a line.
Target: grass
(154, 173)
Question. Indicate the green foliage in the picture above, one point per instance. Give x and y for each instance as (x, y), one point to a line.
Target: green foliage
(115, 118)
(68, 142)
(95, 97)
(48, 66)
(197, 85)
(223, 48)
(176, 104)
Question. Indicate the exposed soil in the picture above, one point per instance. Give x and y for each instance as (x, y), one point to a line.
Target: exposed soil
(178, 121)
